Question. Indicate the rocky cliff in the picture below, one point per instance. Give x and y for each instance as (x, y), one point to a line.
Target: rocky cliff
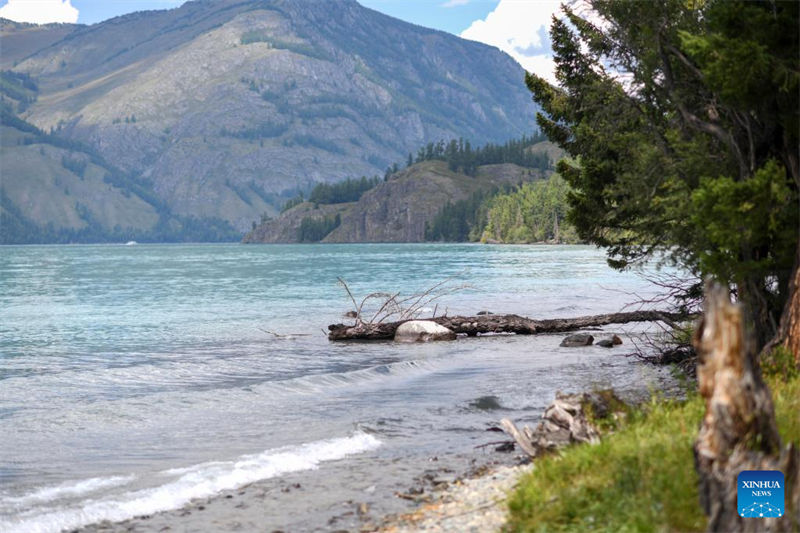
(396, 210)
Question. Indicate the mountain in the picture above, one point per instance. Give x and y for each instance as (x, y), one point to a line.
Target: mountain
(70, 194)
(57, 190)
(21, 39)
(397, 210)
(227, 108)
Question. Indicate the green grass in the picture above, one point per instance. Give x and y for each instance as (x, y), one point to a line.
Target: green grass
(641, 478)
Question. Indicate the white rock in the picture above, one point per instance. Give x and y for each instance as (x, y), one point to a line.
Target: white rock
(422, 331)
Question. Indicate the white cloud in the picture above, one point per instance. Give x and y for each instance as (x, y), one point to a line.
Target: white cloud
(40, 11)
(521, 29)
(455, 3)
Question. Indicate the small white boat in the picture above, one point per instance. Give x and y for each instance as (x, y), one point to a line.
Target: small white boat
(131, 243)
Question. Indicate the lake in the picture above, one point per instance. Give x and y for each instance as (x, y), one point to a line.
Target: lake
(136, 378)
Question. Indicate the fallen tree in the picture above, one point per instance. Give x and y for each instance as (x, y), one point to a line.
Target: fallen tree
(498, 324)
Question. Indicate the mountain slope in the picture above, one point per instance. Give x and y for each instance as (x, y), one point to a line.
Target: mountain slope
(230, 107)
(57, 190)
(398, 210)
(21, 39)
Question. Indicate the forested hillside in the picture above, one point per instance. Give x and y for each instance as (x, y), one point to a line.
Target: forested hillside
(535, 212)
(446, 194)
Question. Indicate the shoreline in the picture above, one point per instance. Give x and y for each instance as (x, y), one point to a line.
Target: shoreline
(440, 499)
(474, 504)
(470, 498)
(454, 490)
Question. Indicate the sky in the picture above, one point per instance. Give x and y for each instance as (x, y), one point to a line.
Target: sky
(518, 27)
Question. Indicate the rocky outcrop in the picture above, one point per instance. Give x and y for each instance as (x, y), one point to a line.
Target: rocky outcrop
(286, 227)
(422, 331)
(396, 210)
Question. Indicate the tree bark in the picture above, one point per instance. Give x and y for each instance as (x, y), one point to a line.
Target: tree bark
(487, 324)
(788, 334)
(753, 296)
(790, 319)
(739, 431)
(789, 330)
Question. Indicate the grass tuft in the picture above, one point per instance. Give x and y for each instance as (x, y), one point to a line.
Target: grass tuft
(640, 478)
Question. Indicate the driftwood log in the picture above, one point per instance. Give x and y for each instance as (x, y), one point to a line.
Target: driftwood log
(486, 324)
(564, 422)
(739, 431)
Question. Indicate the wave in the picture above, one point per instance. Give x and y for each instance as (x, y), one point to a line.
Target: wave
(199, 481)
(316, 383)
(68, 489)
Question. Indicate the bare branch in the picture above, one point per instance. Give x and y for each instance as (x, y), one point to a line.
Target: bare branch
(393, 306)
(356, 308)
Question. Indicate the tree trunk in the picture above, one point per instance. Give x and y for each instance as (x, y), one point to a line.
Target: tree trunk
(790, 319)
(484, 324)
(738, 430)
(789, 331)
(753, 296)
(788, 334)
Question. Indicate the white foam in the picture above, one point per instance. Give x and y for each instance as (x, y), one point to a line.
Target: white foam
(201, 481)
(68, 489)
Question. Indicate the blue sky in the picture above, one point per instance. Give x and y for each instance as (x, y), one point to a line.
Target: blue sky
(518, 27)
(453, 16)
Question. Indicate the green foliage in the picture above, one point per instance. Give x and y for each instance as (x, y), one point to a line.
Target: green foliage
(19, 87)
(785, 390)
(532, 212)
(460, 221)
(292, 202)
(535, 212)
(315, 229)
(640, 478)
(76, 165)
(695, 158)
(461, 157)
(265, 130)
(759, 213)
(301, 48)
(779, 364)
(349, 190)
(312, 141)
(253, 36)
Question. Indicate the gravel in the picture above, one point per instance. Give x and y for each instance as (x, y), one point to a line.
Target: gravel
(471, 505)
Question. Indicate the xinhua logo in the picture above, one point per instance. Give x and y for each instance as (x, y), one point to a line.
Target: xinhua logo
(760, 494)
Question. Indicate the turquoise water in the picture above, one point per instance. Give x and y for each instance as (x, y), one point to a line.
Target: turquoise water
(135, 378)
